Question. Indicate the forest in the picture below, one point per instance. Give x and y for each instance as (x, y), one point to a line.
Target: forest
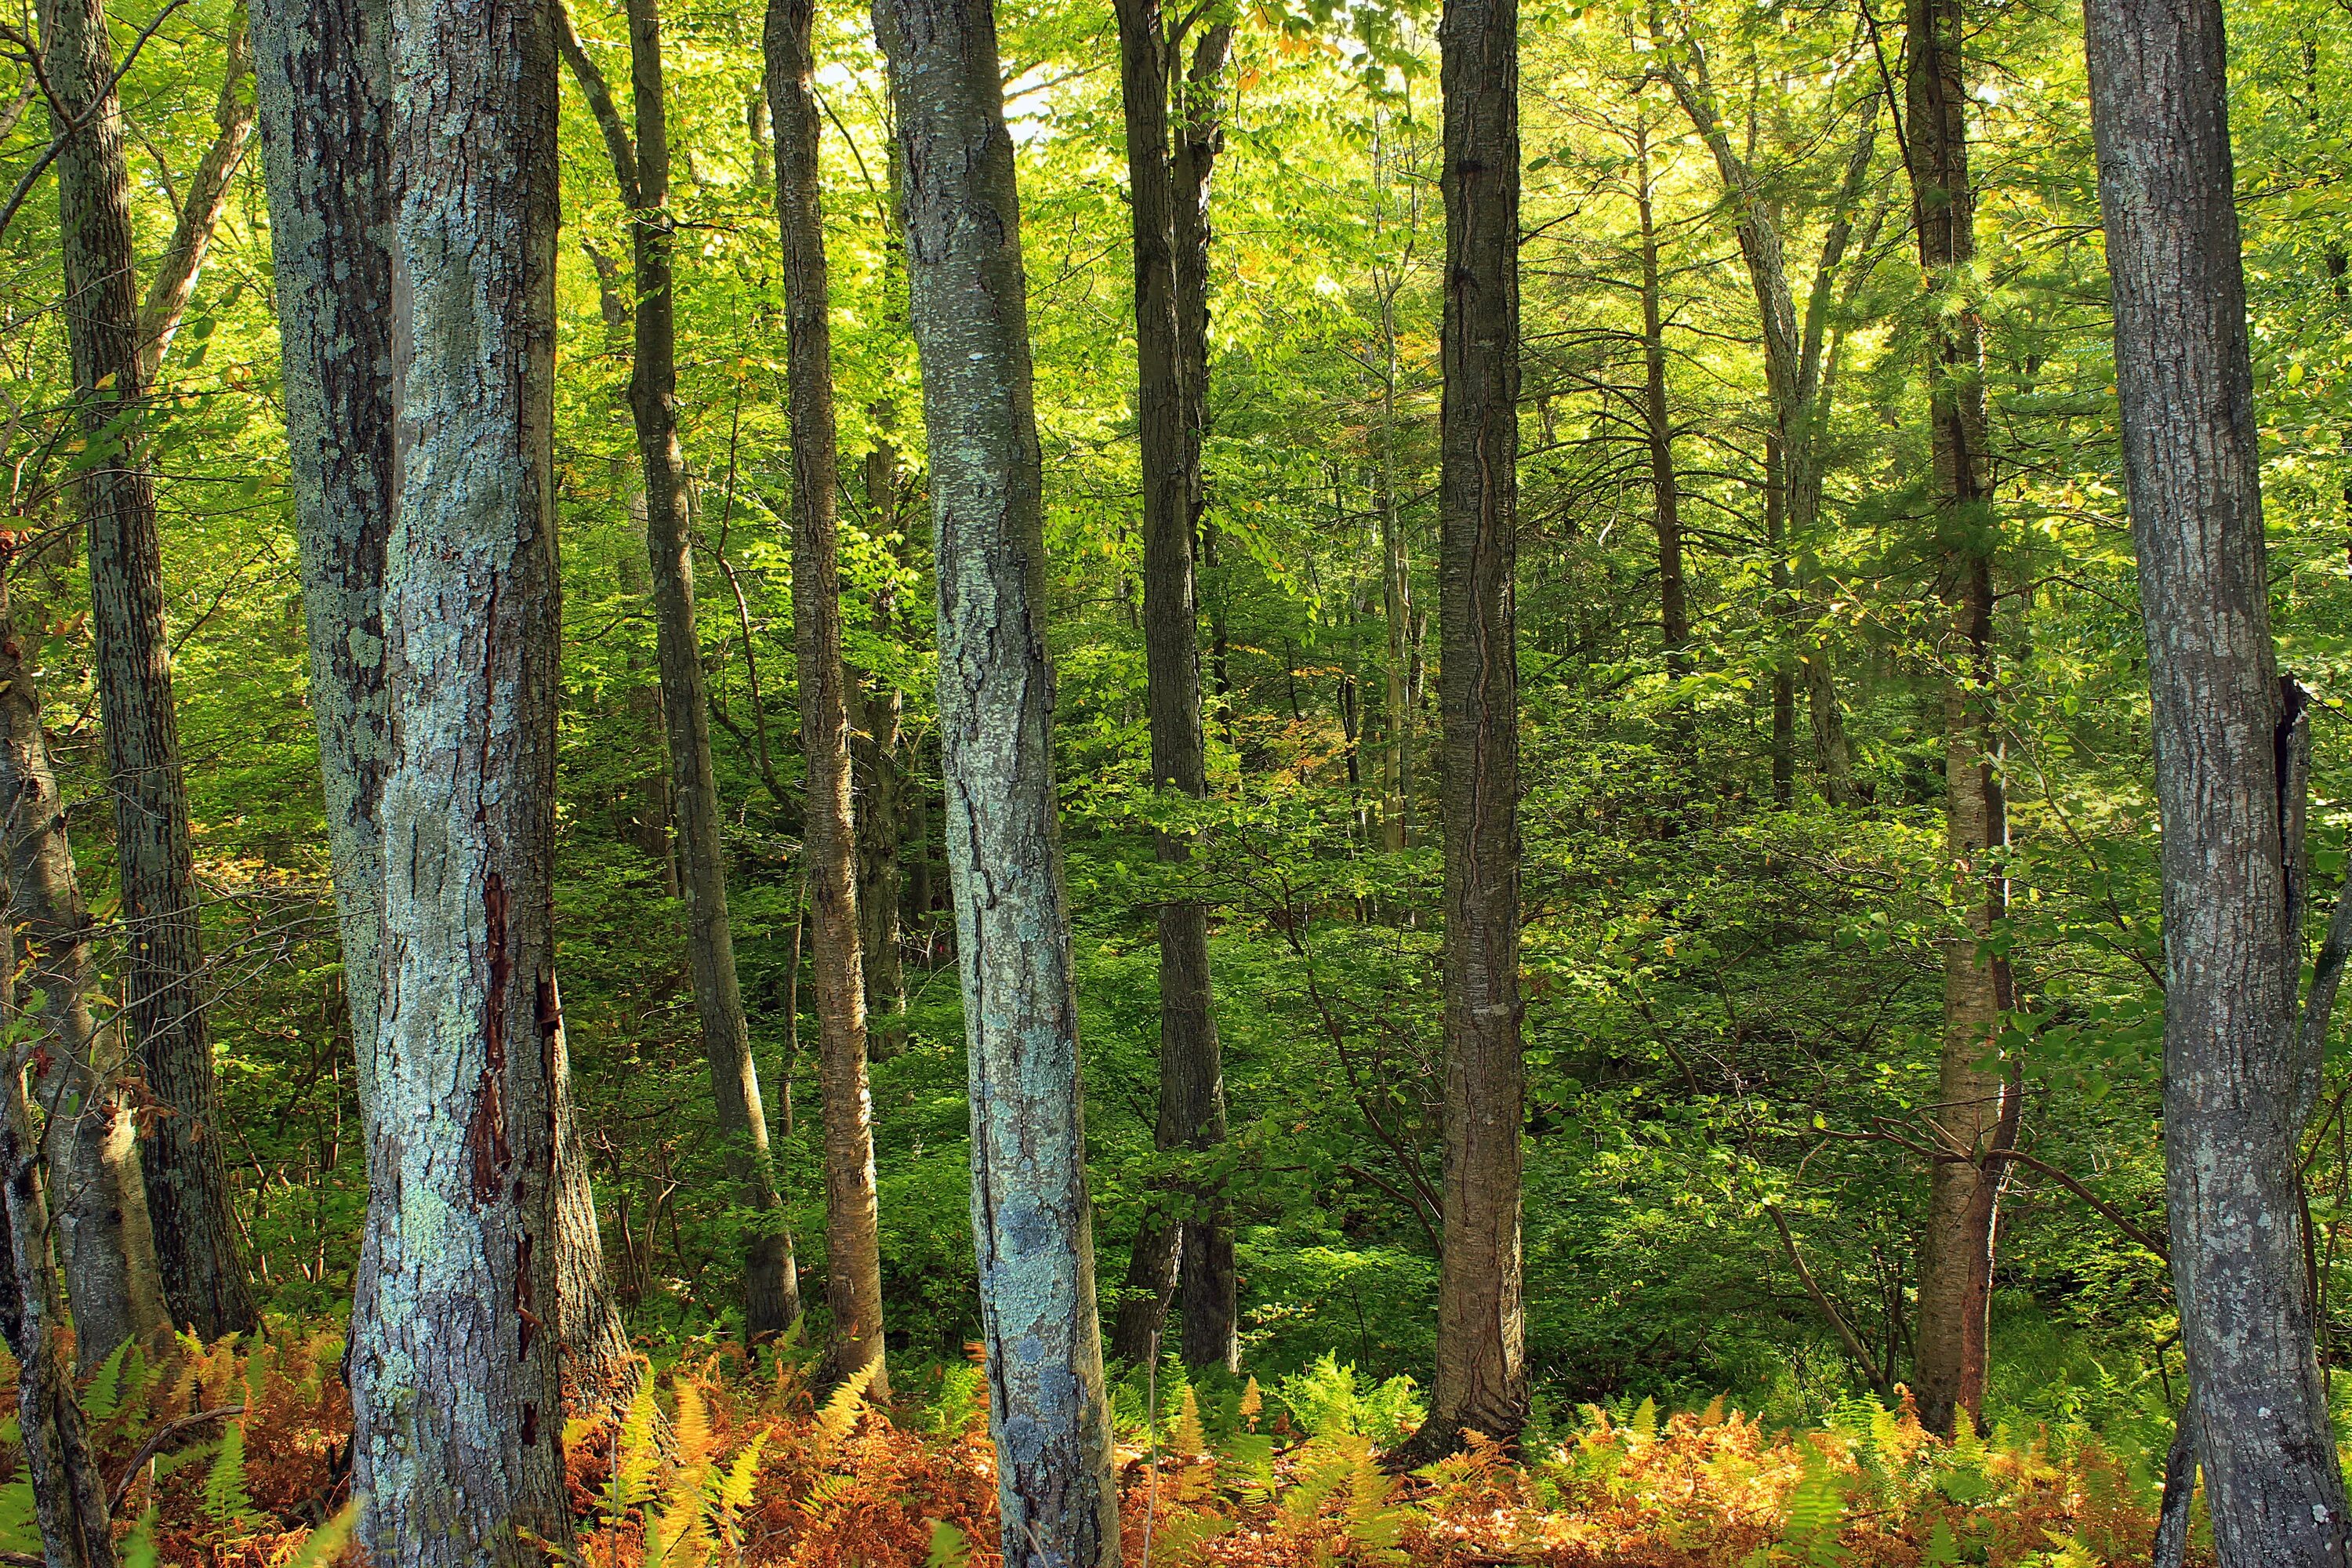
(1049, 783)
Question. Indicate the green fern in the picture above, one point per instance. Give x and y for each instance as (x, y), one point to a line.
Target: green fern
(1645, 1419)
(1816, 1512)
(20, 1528)
(325, 1543)
(104, 1395)
(634, 1458)
(1374, 1524)
(227, 1503)
(951, 1548)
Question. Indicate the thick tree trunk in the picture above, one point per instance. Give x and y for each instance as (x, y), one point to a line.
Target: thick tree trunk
(1665, 488)
(200, 210)
(68, 1492)
(1481, 1380)
(853, 1270)
(1190, 1088)
(641, 167)
(111, 1277)
(1973, 1111)
(2237, 1086)
(1031, 1225)
(163, 976)
(456, 1386)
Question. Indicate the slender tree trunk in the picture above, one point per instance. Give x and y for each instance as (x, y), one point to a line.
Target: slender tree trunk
(1665, 488)
(1190, 1090)
(457, 1385)
(1210, 1283)
(163, 977)
(853, 1270)
(2237, 1085)
(321, 80)
(68, 1492)
(641, 167)
(1784, 685)
(1031, 1224)
(1481, 1380)
(200, 210)
(112, 1277)
(1973, 1110)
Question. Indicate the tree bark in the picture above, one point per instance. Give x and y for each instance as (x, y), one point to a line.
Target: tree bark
(321, 82)
(162, 974)
(1031, 1225)
(456, 1386)
(1481, 1380)
(2236, 1087)
(200, 210)
(1973, 1107)
(92, 1154)
(853, 1270)
(1170, 405)
(68, 1493)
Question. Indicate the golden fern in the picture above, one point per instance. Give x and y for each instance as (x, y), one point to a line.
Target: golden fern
(840, 1411)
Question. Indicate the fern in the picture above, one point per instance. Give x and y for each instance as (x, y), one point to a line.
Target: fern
(104, 1395)
(959, 1401)
(326, 1542)
(635, 1456)
(1375, 1526)
(1645, 1419)
(840, 1411)
(20, 1528)
(951, 1548)
(1187, 1438)
(731, 1494)
(227, 1503)
(1816, 1512)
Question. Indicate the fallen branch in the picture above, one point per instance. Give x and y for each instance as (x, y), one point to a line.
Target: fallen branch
(150, 1449)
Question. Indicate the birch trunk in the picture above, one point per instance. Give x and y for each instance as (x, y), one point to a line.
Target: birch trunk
(1032, 1227)
(174, 282)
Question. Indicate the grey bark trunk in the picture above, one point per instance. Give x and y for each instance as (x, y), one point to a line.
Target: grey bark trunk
(641, 167)
(321, 83)
(175, 283)
(68, 1493)
(1482, 1381)
(100, 1203)
(1974, 1111)
(162, 974)
(1032, 1227)
(457, 1385)
(853, 1271)
(2236, 1088)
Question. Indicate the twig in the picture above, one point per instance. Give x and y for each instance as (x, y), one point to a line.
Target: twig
(152, 1447)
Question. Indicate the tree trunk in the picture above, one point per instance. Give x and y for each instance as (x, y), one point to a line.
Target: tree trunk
(1973, 1110)
(457, 1387)
(200, 211)
(2236, 1086)
(1192, 1111)
(320, 85)
(112, 1277)
(68, 1492)
(162, 974)
(93, 1155)
(1031, 1225)
(641, 168)
(853, 1270)
(1210, 1284)
(1481, 1380)
(1665, 488)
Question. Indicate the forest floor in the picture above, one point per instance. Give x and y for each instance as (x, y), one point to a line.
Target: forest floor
(236, 1456)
